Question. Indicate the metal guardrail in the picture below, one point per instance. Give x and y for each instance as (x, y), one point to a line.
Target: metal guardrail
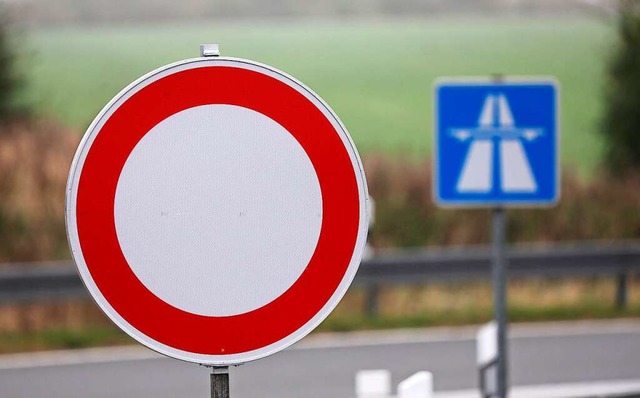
(407, 266)
(590, 258)
(37, 281)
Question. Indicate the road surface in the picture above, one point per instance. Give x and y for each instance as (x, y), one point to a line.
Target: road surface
(324, 365)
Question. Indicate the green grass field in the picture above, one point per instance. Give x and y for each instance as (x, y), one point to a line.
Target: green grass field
(377, 75)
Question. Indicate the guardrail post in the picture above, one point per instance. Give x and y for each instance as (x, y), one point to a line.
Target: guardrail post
(621, 290)
(371, 300)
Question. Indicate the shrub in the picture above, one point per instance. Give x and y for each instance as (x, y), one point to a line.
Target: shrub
(10, 82)
(601, 208)
(621, 125)
(34, 162)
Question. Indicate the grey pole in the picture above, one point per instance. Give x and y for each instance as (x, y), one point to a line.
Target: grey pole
(499, 264)
(220, 382)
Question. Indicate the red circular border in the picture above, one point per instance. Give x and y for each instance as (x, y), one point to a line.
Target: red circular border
(96, 225)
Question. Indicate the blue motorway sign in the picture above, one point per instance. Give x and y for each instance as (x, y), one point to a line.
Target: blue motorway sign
(496, 144)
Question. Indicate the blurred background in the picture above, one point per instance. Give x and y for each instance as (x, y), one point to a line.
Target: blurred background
(374, 62)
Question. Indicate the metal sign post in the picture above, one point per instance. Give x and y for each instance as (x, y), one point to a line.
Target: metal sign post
(220, 382)
(499, 274)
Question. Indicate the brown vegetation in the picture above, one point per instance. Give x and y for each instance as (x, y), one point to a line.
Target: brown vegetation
(34, 162)
(76, 314)
(471, 301)
(600, 208)
(35, 159)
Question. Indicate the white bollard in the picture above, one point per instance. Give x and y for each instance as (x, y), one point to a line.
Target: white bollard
(373, 384)
(487, 354)
(420, 385)
(487, 343)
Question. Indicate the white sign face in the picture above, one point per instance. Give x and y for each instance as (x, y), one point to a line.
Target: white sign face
(217, 210)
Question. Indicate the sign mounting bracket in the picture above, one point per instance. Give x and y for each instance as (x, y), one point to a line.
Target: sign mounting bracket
(209, 50)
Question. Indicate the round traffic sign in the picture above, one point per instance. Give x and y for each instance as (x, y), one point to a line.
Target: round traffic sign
(216, 210)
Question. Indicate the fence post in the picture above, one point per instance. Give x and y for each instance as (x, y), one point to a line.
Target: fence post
(621, 290)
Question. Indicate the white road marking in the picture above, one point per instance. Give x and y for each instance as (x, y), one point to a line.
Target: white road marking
(477, 172)
(568, 390)
(76, 357)
(516, 175)
(486, 116)
(506, 118)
